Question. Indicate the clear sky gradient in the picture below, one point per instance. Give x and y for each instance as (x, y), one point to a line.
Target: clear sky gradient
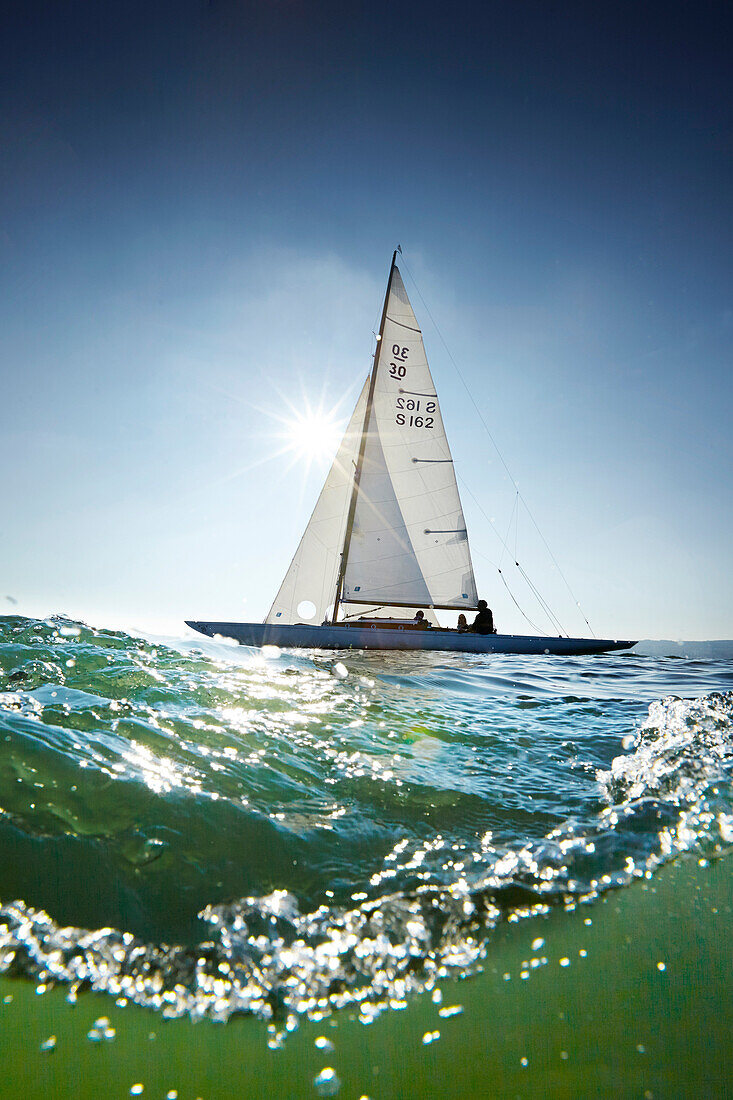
(200, 201)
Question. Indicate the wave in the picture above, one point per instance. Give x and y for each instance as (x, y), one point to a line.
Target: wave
(398, 813)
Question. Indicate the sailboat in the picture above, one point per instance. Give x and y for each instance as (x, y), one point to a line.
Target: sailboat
(387, 537)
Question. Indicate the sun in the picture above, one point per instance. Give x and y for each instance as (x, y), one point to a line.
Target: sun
(308, 433)
(313, 435)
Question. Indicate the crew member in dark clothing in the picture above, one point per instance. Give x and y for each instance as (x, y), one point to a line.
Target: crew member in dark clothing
(484, 621)
(421, 621)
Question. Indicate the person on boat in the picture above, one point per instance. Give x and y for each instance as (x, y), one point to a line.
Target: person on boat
(484, 621)
(461, 625)
(421, 621)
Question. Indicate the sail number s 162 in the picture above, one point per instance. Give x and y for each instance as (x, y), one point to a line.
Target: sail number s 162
(414, 421)
(413, 405)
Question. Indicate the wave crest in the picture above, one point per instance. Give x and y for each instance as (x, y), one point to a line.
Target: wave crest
(263, 956)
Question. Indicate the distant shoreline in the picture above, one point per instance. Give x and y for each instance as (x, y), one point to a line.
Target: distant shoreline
(711, 650)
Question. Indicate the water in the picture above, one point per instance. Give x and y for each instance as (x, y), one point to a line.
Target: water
(210, 831)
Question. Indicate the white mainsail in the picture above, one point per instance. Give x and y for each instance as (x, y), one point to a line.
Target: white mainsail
(409, 544)
(311, 578)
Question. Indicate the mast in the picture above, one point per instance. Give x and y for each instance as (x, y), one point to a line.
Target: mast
(362, 447)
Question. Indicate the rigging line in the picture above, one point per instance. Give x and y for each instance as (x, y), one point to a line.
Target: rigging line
(508, 532)
(524, 616)
(546, 607)
(516, 532)
(533, 588)
(487, 518)
(575, 600)
(511, 594)
(496, 448)
(543, 602)
(481, 510)
(481, 554)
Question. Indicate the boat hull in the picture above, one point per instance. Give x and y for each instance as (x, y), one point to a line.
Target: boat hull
(303, 636)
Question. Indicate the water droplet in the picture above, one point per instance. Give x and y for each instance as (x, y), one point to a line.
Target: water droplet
(565, 961)
(661, 966)
(430, 1037)
(538, 943)
(327, 1082)
(524, 1062)
(48, 1045)
(101, 1031)
(136, 1090)
(323, 1043)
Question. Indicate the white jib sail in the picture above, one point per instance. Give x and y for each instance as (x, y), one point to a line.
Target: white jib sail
(310, 582)
(409, 543)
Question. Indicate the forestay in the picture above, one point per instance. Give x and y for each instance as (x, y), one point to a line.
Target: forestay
(409, 544)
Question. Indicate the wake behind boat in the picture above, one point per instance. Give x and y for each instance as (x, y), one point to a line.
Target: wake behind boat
(388, 532)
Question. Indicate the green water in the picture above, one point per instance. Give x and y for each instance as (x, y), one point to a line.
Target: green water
(609, 1024)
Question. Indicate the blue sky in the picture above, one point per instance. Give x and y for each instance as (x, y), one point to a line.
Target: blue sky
(200, 205)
